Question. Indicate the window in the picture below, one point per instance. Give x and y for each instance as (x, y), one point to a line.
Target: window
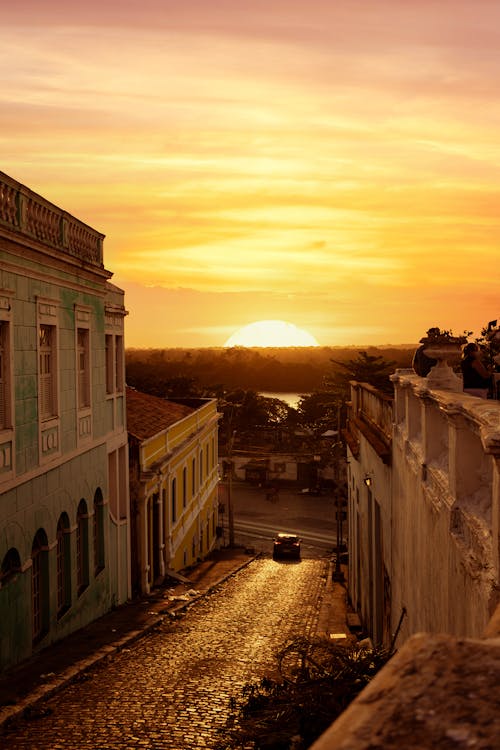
(47, 371)
(4, 376)
(40, 585)
(63, 566)
(193, 477)
(83, 367)
(82, 547)
(174, 500)
(11, 566)
(98, 532)
(109, 364)
(115, 364)
(119, 363)
(201, 468)
(184, 487)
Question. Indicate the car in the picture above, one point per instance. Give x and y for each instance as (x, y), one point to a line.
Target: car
(286, 545)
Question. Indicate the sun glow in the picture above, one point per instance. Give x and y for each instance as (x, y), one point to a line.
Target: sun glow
(267, 333)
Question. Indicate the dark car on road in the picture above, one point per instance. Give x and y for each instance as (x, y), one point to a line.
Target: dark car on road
(286, 545)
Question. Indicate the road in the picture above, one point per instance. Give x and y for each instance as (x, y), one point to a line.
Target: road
(172, 688)
(256, 520)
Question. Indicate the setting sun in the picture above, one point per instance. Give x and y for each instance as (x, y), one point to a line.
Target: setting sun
(329, 163)
(266, 333)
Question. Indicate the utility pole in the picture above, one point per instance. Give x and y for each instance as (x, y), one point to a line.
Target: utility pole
(230, 515)
(338, 574)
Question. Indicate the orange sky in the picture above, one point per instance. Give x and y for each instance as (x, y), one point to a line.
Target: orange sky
(331, 163)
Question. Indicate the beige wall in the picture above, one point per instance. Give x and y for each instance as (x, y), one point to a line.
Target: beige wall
(424, 535)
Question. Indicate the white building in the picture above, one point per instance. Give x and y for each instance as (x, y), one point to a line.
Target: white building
(424, 495)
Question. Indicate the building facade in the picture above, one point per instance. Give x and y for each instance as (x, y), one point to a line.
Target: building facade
(64, 508)
(424, 497)
(173, 484)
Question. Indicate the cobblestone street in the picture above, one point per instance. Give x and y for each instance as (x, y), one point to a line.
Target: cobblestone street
(172, 688)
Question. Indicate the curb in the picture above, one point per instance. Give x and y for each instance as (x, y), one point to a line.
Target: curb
(11, 713)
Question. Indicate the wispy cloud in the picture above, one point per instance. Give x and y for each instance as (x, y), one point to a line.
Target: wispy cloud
(349, 150)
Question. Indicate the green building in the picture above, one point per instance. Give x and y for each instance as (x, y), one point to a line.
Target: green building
(64, 500)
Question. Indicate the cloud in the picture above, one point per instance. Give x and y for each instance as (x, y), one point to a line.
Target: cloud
(271, 151)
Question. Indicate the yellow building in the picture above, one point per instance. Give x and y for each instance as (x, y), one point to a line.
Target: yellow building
(173, 484)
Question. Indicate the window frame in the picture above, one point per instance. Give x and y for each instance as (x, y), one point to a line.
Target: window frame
(98, 533)
(63, 565)
(48, 372)
(109, 354)
(119, 364)
(184, 487)
(82, 547)
(83, 367)
(5, 375)
(40, 615)
(173, 500)
(49, 420)
(7, 421)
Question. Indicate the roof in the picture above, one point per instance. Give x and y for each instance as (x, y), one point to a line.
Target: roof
(149, 415)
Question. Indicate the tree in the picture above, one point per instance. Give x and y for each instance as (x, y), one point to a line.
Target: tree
(318, 411)
(246, 411)
(366, 368)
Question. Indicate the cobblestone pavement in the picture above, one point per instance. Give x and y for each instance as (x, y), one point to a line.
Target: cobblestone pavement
(172, 688)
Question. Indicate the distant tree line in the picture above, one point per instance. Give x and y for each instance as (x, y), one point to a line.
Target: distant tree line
(237, 377)
(216, 371)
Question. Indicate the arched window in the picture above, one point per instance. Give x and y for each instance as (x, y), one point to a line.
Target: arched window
(82, 547)
(173, 500)
(63, 565)
(184, 487)
(98, 532)
(11, 565)
(40, 585)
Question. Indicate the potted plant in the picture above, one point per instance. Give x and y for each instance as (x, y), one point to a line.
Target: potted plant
(444, 347)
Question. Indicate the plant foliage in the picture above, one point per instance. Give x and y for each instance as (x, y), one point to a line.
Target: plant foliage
(319, 679)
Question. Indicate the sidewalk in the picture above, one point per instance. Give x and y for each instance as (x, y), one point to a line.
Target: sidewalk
(43, 674)
(22, 687)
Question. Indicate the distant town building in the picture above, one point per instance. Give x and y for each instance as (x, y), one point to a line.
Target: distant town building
(64, 503)
(173, 484)
(424, 500)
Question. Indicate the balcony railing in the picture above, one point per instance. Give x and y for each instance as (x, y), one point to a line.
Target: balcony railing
(370, 412)
(30, 215)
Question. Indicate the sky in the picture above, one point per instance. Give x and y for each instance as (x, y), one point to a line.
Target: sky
(330, 163)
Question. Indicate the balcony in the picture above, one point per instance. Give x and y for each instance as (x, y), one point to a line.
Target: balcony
(371, 414)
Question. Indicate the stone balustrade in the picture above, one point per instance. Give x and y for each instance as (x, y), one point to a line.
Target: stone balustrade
(31, 215)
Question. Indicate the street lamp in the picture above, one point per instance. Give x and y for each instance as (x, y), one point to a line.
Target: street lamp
(338, 574)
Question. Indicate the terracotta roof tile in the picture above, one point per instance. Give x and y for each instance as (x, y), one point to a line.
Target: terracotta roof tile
(148, 415)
